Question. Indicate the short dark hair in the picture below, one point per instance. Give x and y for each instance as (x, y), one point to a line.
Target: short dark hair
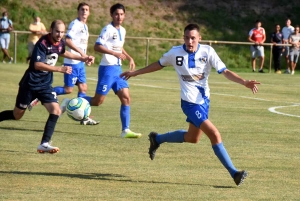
(82, 4)
(115, 7)
(191, 27)
(53, 24)
(5, 12)
(257, 21)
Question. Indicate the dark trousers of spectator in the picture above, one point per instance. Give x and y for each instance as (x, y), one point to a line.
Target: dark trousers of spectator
(277, 52)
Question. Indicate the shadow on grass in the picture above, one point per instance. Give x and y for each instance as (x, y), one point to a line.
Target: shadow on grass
(99, 176)
(56, 131)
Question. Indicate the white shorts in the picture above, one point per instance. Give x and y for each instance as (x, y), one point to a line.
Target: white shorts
(257, 51)
(4, 41)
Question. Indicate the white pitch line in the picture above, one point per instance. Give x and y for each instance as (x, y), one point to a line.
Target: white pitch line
(271, 109)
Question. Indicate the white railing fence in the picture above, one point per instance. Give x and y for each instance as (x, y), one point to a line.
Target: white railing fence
(149, 40)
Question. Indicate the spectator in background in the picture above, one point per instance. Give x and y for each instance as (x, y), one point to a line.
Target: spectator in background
(286, 32)
(277, 38)
(294, 39)
(37, 29)
(257, 35)
(6, 26)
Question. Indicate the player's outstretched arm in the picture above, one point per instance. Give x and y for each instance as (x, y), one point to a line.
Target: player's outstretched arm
(251, 84)
(87, 59)
(148, 69)
(45, 67)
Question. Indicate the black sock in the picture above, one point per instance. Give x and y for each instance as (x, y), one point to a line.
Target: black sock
(49, 128)
(7, 115)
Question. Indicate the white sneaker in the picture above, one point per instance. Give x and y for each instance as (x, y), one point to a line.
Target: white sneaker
(3, 61)
(11, 60)
(293, 72)
(89, 121)
(32, 104)
(46, 147)
(63, 105)
(127, 133)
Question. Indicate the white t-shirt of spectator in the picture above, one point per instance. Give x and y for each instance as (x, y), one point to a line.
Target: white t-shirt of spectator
(287, 31)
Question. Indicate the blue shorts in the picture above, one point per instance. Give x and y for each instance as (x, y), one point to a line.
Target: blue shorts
(196, 113)
(78, 74)
(109, 78)
(26, 95)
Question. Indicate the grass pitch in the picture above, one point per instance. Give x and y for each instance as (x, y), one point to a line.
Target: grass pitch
(260, 132)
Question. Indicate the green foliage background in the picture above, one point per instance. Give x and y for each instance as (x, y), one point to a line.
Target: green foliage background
(223, 21)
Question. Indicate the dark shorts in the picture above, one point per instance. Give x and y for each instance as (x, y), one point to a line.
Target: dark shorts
(25, 96)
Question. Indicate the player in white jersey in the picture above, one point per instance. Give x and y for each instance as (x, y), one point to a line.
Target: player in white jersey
(193, 63)
(110, 43)
(286, 32)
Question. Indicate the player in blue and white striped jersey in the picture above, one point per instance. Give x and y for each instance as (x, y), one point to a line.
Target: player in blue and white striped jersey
(193, 63)
(110, 43)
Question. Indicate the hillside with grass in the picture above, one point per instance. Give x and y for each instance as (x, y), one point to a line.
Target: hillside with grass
(219, 20)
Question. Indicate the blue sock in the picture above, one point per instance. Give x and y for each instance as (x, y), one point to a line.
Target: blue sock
(174, 136)
(125, 116)
(223, 156)
(59, 90)
(81, 94)
(88, 98)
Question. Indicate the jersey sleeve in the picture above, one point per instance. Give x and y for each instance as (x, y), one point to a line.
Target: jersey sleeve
(215, 61)
(250, 32)
(71, 30)
(104, 35)
(166, 59)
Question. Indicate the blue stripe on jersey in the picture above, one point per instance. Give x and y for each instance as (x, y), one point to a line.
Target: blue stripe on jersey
(221, 70)
(202, 91)
(191, 58)
(98, 43)
(120, 34)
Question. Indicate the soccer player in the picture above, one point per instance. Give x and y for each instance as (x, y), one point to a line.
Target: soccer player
(77, 40)
(110, 43)
(37, 80)
(193, 63)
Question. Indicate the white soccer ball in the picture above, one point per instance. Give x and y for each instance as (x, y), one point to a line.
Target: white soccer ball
(78, 109)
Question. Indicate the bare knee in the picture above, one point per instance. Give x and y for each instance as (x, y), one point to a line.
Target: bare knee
(18, 114)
